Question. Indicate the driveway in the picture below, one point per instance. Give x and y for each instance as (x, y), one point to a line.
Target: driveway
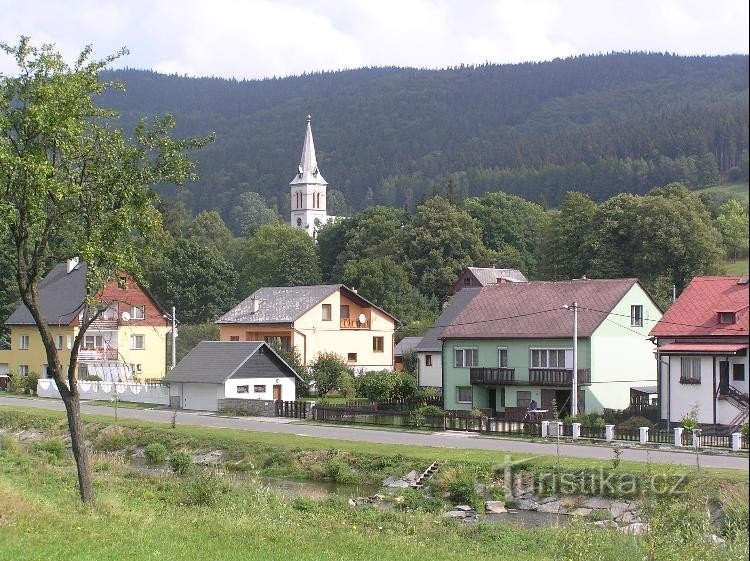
(451, 439)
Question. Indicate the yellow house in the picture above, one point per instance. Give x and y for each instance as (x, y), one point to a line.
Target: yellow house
(315, 319)
(127, 342)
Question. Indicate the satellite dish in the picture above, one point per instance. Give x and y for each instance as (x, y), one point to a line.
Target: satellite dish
(125, 316)
(362, 318)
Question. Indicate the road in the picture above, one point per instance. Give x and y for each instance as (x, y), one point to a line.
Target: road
(450, 439)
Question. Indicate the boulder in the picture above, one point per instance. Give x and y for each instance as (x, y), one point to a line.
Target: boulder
(209, 458)
(411, 477)
(464, 508)
(628, 517)
(455, 514)
(495, 507)
(618, 509)
(581, 512)
(635, 529)
(378, 497)
(527, 504)
(352, 502)
(605, 524)
(549, 499)
(552, 507)
(389, 481)
(596, 503)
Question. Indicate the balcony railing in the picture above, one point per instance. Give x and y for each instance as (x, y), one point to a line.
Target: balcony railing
(557, 376)
(97, 354)
(492, 376)
(353, 323)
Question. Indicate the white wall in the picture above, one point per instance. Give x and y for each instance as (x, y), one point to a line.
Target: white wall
(430, 375)
(135, 392)
(288, 388)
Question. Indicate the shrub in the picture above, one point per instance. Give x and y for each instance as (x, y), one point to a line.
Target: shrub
(29, 383)
(589, 420)
(16, 381)
(345, 384)
(461, 490)
(111, 438)
(326, 371)
(303, 504)
(181, 462)
(205, 489)
(338, 470)
(55, 449)
(689, 421)
(635, 422)
(415, 499)
(377, 385)
(419, 416)
(155, 454)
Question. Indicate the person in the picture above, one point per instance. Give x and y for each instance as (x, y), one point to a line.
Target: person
(531, 410)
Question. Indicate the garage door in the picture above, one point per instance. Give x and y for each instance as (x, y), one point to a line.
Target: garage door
(203, 397)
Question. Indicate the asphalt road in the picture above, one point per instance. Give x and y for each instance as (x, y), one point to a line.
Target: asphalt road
(449, 439)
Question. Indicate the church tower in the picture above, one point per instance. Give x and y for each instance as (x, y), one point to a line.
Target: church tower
(308, 190)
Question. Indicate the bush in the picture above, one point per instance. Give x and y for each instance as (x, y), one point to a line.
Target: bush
(635, 422)
(345, 385)
(303, 504)
(155, 454)
(338, 470)
(589, 420)
(326, 371)
(414, 499)
(461, 490)
(29, 383)
(205, 489)
(110, 439)
(55, 449)
(16, 382)
(419, 416)
(181, 462)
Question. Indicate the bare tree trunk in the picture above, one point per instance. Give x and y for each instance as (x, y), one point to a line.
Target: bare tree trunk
(79, 446)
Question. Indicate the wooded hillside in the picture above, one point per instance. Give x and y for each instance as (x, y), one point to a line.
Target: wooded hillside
(599, 124)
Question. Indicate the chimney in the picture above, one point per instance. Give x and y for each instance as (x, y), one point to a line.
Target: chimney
(72, 264)
(254, 305)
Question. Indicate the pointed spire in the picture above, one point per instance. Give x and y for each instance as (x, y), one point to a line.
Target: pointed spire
(307, 171)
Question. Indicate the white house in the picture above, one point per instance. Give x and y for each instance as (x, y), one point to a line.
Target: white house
(216, 371)
(702, 351)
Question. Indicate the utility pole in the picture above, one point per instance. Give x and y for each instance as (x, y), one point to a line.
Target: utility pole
(574, 393)
(173, 317)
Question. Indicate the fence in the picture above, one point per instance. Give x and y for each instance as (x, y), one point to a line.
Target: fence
(391, 404)
(292, 409)
(157, 394)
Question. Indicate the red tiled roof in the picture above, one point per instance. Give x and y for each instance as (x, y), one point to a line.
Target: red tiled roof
(703, 348)
(696, 311)
(535, 309)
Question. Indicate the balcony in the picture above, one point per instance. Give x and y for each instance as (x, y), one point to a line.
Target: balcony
(97, 354)
(492, 376)
(558, 376)
(353, 323)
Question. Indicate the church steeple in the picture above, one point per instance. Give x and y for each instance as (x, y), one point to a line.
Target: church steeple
(307, 171)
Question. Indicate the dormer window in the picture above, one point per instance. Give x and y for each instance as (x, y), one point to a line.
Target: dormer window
(467, 281)
(726, 318)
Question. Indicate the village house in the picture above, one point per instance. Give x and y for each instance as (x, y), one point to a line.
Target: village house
(477, 277)
(127, 342)
(702, 352)
(314, 320)
(513, 343)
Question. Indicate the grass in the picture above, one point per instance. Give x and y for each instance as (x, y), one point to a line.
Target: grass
(123, 404)
(737, 190)
(740, 267)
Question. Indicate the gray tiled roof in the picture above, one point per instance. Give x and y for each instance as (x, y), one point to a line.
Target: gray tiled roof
(454, 306)
(489, 275)
(61, 297)
(216, 361)
(406, 344)
(278, 304)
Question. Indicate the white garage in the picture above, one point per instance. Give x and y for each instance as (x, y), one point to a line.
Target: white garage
(215, 370)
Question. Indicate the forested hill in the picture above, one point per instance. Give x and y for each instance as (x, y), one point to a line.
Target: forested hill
(600, 124)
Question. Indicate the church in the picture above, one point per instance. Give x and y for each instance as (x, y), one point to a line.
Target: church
(308, 190)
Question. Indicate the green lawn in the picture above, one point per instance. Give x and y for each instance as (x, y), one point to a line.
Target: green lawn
(738, 190)
(738, 268)
(123, 404)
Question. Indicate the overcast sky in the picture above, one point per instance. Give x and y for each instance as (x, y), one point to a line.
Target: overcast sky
(260, 38)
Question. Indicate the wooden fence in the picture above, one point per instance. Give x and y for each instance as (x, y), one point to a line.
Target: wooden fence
(292, 409)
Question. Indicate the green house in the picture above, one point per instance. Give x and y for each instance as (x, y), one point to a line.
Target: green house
(513, 343)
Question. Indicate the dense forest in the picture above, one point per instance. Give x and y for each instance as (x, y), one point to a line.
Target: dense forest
(600, 124)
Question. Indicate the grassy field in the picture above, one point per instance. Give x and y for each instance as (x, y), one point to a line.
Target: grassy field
(123, 404)
(740, 267)
(737, 190)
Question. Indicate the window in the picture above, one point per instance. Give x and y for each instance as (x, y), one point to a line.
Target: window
(138, 312)
(428, 360)
(344, 311)
(326, 312)
(243, 389)
(465, 358)
(122, 282)
(726, 317)
(636, 316)
(234, 337)
(548, 358)
(523, 398)
(377, 344)
(502, 358)
(351, 357)
(467, 281)
(137, 342)
(45, 371)
(93, 342)
(59, 343)
(463, 394)
(738, 372)
(691, 370)
(259, 388)
(23, 342)
(23, 369)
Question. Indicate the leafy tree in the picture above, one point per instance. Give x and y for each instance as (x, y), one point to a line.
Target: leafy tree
(190, 335)
(250, 212)
(328, 370)
(72, 185)
(508, 220)
(566, 238)
(386, 284)
(195, 279)
(336, 203)
(278, 255)
(176, 217)
(732, 222)
(209, 230)
(439, 242)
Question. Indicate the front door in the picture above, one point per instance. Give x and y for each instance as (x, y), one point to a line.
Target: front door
(492, 401)
(277, 392)
(723, 377)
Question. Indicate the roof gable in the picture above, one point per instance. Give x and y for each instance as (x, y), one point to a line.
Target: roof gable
(535, 309)
(454, 306)
(490, 275)
(696, 311)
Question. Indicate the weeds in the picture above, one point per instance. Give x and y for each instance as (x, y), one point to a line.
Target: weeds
(155, 454)
(181, 462)
(205, 489)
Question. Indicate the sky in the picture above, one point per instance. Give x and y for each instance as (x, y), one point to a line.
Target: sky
(264, 38)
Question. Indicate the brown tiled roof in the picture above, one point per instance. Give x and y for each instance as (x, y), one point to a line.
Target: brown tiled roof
(535, 309)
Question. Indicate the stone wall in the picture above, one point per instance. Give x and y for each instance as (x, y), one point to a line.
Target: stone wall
(251, 407)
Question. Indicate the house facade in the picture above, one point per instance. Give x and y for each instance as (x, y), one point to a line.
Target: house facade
(513, 343)
(216, 371)
(702, 349)
(314, 320)
(477, 277)
(127, 342)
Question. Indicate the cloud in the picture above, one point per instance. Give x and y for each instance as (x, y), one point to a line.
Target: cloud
(259, 38)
